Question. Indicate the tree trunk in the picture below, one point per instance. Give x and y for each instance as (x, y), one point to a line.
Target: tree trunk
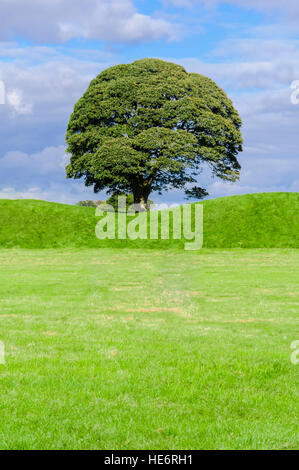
(141, 201)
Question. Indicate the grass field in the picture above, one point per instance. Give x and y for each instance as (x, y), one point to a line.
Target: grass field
(263, 220)
(137, 349)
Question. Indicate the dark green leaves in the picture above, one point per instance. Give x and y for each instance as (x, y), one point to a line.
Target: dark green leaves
(150, 125)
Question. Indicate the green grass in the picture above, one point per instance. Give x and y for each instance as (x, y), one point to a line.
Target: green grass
(150, 349)
(132, 349)
(266, 220)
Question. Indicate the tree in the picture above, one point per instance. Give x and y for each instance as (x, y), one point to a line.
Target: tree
(117, 204)
(89, 203)
(149, 126)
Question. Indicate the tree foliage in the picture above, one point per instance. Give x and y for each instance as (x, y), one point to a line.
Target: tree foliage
(149, 126)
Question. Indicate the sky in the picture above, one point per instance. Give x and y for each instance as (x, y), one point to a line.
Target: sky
(51, 49)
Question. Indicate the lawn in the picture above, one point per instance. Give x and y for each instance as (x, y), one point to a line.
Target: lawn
(149, 349)
(262, 220)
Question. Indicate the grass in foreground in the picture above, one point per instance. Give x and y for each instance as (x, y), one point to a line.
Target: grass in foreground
(127, 349)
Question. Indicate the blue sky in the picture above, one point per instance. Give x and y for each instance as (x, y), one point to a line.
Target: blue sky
(50, 50)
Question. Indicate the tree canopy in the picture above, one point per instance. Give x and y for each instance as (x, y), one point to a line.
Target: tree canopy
(149, 126)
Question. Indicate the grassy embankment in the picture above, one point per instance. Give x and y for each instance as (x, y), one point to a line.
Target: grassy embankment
(267, 220)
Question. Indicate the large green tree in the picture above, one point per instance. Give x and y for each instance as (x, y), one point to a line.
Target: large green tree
(149, 126)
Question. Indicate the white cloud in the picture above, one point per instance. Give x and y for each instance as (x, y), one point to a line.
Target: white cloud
(255, 49)
(15, 100)
(61, 20)
(43, 84)
(17, 165)
(238, 74)
(260, 175)
(256, 73)
(70, 194)
(40, 175)
(260, 90)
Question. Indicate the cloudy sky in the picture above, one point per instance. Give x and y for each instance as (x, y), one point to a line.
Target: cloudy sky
(51, 49)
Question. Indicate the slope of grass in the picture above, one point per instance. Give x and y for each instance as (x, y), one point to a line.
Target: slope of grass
(130, 349)
(265, 220)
